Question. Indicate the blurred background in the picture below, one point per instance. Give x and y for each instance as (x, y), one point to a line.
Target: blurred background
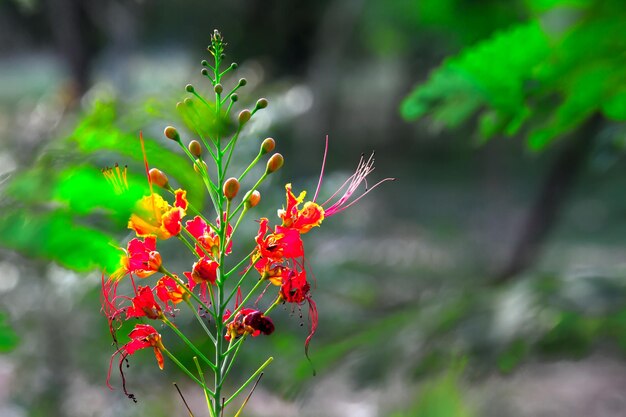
(489, 280)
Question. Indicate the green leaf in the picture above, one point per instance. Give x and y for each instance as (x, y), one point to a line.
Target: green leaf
(465, 83)
(512, 356)
(8, 337)
(57, 236)
(440, 398)
(614, 107)
(97, 132)
(544, 77)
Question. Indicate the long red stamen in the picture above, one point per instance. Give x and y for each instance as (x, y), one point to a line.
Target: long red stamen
(319, 182)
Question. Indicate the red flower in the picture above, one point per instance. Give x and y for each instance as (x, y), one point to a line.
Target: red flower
(270, 270)
(168, 290)
(247, 321)
(140, 258)
(155, 216)
(142, 336)
(302, 220)
(312, 214)
(295, 289)
(284, 243)
(144, 305)
(204, 271)
(207, 238)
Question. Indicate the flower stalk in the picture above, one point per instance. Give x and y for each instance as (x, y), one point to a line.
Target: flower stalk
(211, 280)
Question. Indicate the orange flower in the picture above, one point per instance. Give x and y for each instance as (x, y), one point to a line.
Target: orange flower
(303, 220)
(141, 337)
(168, 290)
(140, 258)
(155, 216)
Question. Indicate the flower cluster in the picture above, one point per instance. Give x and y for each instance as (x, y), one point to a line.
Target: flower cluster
(211, 280)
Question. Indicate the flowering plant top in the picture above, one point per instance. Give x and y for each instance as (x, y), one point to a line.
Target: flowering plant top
(210, 289)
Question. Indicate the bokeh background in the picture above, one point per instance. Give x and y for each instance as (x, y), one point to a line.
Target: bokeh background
(489, 280)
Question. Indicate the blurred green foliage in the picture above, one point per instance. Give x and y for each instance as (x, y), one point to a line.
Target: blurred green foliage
(8, 338)
(63, 209)
(440, 397)
(544, 76)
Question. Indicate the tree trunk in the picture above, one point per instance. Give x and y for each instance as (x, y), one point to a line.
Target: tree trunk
(548, 205)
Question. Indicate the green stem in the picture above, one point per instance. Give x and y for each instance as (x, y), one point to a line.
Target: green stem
(270, 308)
(187, 371)
(243, 213)
(230, 105)
(187, 342)
(252, 164)
(206, 392)
(227, 353)
(195, 312)
(230, 148)
(186, 242)
(243, 302)
(245, 384)
(236, 267)
(218, 303)
(206, 252)
(233, 91)
(244, 201)
(235, 345)
(184, 287)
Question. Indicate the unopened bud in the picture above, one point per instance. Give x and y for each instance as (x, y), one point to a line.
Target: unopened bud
(231, 188)
(243, 82)
(261, 103)
(205, 72)
(189, 88)
(195, 166)
(274, 163)
(170, 132)
(218, 88)
(188, 102)
(233, 65)
(204, 63)
(267, 146)
(157, 177)
(234, 97)
(252, 199)
(244, 116)
(195, 148)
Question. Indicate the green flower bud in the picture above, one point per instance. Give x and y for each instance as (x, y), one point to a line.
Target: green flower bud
(252, 199)
(195, 167)
(261, 103)
(234, 97)
(231, 188)
(157, 177)
(244, 116)
(267, 146)
(189, 88)
(195, 148)
(170, 132)
(243, 82)
(218, 88)
(233, 65)
(205, 72)
(204, 63)
(274, 163)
